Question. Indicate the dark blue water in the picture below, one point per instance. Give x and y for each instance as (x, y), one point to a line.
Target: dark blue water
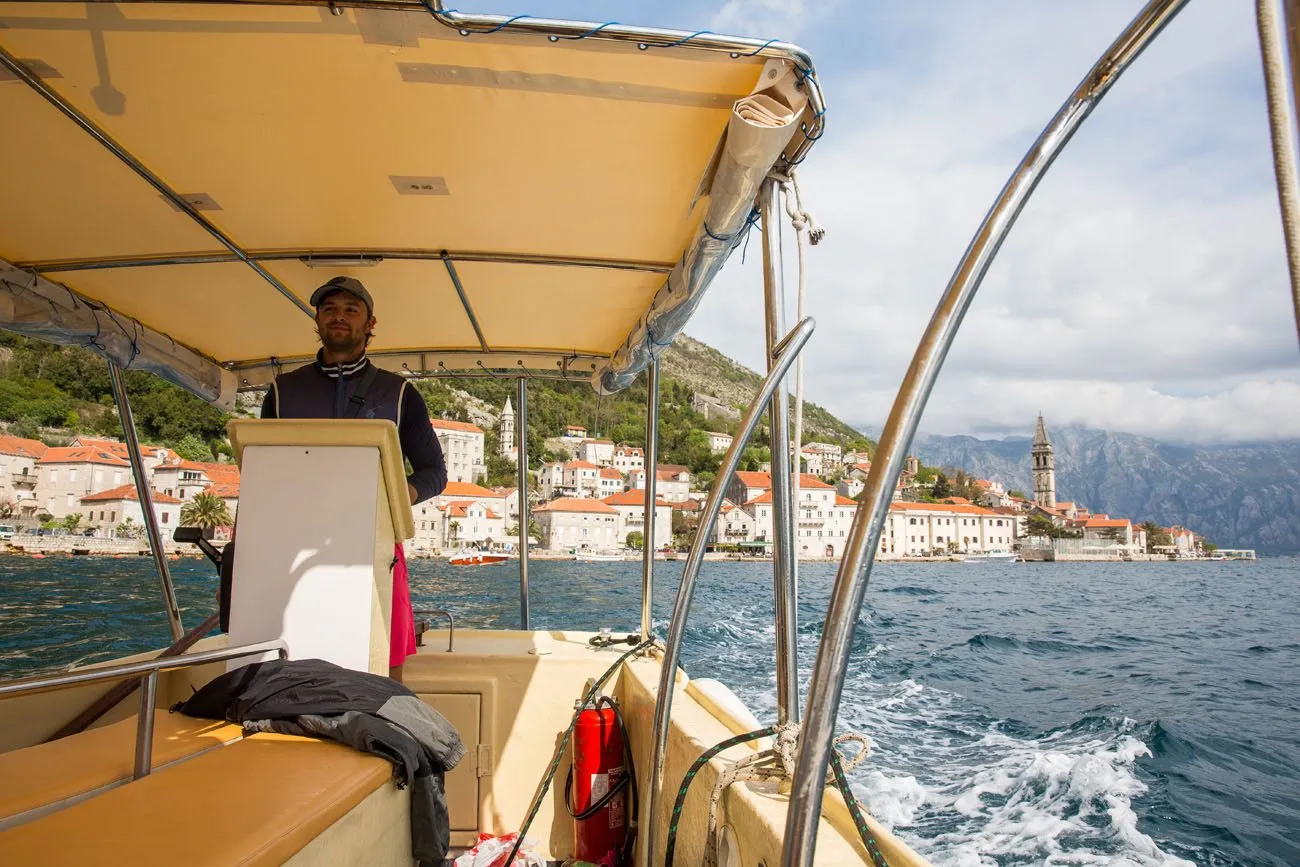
(1020, 713)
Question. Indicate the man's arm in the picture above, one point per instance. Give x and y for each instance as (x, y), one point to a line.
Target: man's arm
(268, 403)
(420, 447)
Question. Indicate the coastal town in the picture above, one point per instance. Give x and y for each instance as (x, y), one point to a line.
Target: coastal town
(82, 497)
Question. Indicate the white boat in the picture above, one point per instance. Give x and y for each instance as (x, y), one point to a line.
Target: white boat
(991, 556)
(598, 556)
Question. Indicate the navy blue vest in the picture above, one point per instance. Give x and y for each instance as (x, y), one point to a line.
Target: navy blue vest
(309, 392)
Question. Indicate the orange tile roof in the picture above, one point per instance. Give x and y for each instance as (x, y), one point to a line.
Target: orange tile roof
(224, 490)
(667, 476)
(688, 506)
(577, 504)
(610, 473)
(955, 508)
(460, 509)
(844, 501)
(126, 492)
(580, 465)
(808, 480)
(672, 468)
(1095, 523)
(81, 455)
(765, 497)
(957, 501)
(22, 447)
(628, 450)
(118, 447)
(754, 480)
(466, 427)
(1064, 505)
(214, 471)
(467, 489)
(634, 497)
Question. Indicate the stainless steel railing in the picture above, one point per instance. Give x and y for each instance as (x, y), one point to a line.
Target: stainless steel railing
(149, 687)
(784, 352)
(827, 683)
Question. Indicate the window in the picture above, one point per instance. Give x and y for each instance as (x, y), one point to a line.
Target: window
(165, 516)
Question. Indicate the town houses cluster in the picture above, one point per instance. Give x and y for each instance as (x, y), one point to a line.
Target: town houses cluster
(91, 478)
(594, 500)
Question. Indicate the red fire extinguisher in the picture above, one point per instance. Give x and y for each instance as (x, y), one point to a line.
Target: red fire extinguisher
(600, 782)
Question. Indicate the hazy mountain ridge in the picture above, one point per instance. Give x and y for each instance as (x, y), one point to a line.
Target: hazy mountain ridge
(1241, 495)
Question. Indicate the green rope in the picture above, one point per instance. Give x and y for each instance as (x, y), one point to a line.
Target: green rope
(564, 742)
(690, 778)
(855, 810)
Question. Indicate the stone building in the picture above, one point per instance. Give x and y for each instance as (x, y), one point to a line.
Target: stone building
(462, 449)
(1044, 467)
(578, 523)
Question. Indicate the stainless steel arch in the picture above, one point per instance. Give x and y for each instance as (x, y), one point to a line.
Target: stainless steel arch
(851, 581)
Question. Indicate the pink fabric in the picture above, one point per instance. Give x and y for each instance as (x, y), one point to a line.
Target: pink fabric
(403, 628)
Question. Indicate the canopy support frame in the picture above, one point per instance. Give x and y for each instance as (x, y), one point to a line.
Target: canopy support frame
(145, 495)
(464, 301)
(146, 174)
(650, 469)
(785, 352)
(521, 454)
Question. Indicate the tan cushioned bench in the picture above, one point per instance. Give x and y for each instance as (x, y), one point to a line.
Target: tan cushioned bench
(46, 774)
(257, 801)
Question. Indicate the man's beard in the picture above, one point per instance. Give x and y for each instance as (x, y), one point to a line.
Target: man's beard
(349, 344)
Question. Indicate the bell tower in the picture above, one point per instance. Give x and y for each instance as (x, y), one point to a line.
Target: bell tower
(507, 431)
(1044, 463)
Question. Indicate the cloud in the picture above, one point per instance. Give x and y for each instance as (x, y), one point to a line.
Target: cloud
(1144, 287)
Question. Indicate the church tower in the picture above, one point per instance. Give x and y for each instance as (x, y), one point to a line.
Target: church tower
(507, 431)
(1044, 467)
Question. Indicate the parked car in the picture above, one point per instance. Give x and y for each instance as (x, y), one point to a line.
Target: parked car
(7, 531)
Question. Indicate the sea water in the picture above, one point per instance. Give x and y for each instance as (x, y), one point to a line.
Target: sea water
(1088, 713)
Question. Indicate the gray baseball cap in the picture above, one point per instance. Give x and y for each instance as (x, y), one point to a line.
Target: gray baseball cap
(351, 285)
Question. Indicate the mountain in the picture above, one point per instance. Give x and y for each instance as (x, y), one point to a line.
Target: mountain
(1238, 496)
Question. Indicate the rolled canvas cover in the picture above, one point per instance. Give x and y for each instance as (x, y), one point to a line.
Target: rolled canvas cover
(758, 131)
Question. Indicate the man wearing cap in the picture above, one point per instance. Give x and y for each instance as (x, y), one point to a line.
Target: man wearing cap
(343, 383)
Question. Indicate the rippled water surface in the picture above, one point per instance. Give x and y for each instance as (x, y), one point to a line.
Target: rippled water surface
(1085, 713)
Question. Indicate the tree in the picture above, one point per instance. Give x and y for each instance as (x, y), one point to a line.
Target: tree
(192, 448)
(26, 427)
(1040, 525)
(8, 508)
(206, 510)
(71, 521)
(942, 487)
(1157, 536)
(1015, 492)
(635, 540)
(453, 531)
(128, 529)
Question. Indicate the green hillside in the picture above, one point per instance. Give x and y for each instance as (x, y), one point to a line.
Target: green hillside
(53, 393)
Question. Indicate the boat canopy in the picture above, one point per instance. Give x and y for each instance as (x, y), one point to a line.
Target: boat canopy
(179, 177)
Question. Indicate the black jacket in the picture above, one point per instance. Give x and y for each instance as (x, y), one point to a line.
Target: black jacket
(321, 390)
(374, 714)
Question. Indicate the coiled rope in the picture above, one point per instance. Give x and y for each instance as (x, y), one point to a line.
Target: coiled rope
(776, 763)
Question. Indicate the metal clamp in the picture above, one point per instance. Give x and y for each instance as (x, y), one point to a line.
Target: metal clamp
(451, 627)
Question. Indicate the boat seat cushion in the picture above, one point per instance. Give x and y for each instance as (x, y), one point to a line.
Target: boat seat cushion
(258, 801)
(46, 774)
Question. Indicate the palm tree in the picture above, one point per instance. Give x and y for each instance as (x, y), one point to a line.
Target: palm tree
(206, 510)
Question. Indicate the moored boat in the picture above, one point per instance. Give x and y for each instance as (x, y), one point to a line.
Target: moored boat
(477, 558)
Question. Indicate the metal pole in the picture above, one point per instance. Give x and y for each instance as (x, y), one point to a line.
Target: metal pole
(787, 351)
(1278, 38)
(146, 499)
(521, 448)
(827, 682)
(144, 725)
(651, 474)
(784, 510)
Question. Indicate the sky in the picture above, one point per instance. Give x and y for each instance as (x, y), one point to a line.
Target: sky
(1144, 287)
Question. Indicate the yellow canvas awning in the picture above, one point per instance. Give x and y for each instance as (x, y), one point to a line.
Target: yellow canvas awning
(510, 200)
